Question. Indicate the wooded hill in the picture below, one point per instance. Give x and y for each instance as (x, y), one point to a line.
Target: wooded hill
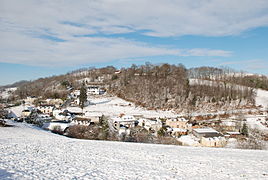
(157, 86)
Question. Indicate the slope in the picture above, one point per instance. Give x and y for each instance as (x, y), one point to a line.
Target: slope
(30, 153)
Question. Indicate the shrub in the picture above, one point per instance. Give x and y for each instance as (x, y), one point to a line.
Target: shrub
(168, 140)
(57, 130)
(140, 135)
(253, 141)
(2, 123)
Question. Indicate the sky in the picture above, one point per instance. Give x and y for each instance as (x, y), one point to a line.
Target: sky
(40, 38)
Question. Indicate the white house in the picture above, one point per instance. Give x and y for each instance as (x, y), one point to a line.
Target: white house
(30, 99)
(150, 124)
(62, 115)
(126, 121)
(46, 108)
(27, 111)
(93, 116)
(177, 132)
(75, 94)
(213, 141)
(81, 121)
(179, 123)
(95, 90)
(43, 118)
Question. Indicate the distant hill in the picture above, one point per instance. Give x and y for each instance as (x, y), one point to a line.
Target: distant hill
(16, 84)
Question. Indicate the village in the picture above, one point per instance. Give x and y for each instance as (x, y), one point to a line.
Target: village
(208, 130)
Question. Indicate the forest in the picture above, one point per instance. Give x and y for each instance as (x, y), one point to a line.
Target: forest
(161, 86)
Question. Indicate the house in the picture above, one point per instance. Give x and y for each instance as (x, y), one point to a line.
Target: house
(75, 94)
(95, 90)
(30, 100)
(46, 108)
(209, 137)
(62, 115)
(150, 124)
(27, 111)
(81, 121)
(43, 118)
(126, 121)
(205, 132)
(57, 102)
(181, 123)
(93, 116)
(213, 141)
(230, 134)
(177, 132)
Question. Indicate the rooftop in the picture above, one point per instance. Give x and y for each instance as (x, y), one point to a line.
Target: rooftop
(205, 130)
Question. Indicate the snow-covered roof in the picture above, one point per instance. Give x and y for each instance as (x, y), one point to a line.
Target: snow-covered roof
(214, 138)
(124, 119)
(205, 130)
(178, 119)
(233, 133)
(179, 130)
(88, 113)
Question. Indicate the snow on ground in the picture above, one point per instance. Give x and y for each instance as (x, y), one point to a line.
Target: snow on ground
(255, 122)
(262, 98)
(261, 95)
(17, 110)
(188, 140)
(114, 106)
(31, 153)
(7, 92)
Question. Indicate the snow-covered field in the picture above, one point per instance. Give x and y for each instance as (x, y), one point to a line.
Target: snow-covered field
(31, 153)
(262, 98)
(114, 106)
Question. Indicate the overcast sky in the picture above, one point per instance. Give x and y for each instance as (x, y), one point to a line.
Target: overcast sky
(42, 38)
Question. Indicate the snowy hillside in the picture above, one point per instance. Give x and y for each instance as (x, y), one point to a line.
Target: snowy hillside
(7, 92)
(114, 106)
(262, 98)
(31, 153)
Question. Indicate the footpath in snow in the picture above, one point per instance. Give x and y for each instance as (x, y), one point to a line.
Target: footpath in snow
(30, 153)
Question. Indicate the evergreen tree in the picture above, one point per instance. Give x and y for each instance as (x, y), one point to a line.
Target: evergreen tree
(244, 130)
(83, 96)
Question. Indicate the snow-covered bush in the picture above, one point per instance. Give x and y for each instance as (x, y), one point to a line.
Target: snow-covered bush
(253, 141)
(57, 130)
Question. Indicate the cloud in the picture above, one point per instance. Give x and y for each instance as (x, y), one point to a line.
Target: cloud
(62, 32)
(208, 52)
(251, 65)
(159, 17)
(82, 50)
